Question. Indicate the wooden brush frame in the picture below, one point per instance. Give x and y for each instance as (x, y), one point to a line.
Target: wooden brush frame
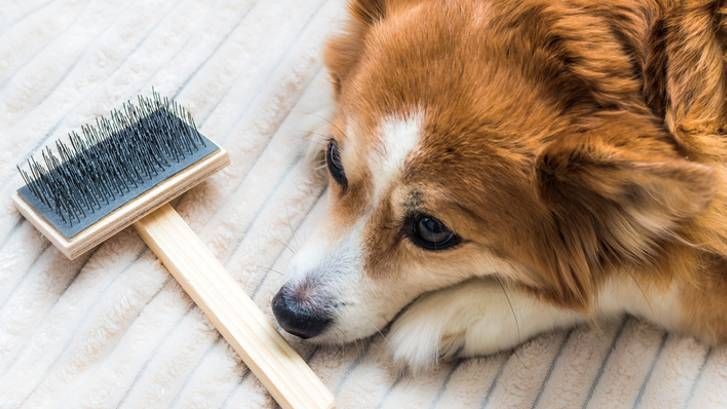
(129, 213)
(249, 332)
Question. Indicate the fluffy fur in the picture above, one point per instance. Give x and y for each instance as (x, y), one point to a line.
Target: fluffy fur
(577, 147)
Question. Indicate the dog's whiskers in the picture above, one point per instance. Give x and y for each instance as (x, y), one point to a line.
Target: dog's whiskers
(514, 317)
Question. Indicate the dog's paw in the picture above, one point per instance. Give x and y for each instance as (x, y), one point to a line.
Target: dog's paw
(434, 327)
(469, 319)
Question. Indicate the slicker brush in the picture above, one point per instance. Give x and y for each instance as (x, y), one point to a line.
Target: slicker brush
(123, 170)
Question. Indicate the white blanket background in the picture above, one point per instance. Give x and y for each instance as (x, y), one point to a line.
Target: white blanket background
(113, 330)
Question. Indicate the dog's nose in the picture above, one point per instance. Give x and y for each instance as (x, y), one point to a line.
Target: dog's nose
(297, 316)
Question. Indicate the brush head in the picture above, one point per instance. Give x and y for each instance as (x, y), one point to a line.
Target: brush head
(128, 163)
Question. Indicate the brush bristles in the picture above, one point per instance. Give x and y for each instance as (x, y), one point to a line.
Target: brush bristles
(114, 159)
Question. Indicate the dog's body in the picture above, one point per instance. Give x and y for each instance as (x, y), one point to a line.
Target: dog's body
(526, 164)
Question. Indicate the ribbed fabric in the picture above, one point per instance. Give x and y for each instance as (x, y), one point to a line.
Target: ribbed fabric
(113, 330)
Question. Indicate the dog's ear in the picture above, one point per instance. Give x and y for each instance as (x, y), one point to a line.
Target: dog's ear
(668, 61)
(611, 203)
(677, 54)
(696, 78)
(343, 51)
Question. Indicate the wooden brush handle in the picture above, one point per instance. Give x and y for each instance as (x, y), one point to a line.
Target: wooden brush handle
(280, 369)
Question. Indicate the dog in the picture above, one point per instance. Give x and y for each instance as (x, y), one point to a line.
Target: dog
(498, 169)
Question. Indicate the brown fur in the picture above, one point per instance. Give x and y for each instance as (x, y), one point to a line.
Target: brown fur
(578, 139)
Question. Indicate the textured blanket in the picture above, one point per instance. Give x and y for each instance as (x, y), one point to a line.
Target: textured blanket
(113, 330)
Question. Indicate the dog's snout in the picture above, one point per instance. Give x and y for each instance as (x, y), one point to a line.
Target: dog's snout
(298, 315)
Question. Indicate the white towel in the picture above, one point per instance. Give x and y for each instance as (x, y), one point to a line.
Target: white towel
(113, 330)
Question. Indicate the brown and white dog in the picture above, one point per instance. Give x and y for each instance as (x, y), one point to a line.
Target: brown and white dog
(509, 167)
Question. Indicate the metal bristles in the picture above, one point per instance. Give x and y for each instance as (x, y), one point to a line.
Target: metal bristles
(104, 162)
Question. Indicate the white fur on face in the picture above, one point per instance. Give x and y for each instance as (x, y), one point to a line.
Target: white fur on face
(397, 137)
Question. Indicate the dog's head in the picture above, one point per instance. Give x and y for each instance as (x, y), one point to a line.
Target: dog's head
(474, 138)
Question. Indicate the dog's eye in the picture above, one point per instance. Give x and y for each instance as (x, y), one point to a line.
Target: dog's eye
(429, 233)
(333, 161)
